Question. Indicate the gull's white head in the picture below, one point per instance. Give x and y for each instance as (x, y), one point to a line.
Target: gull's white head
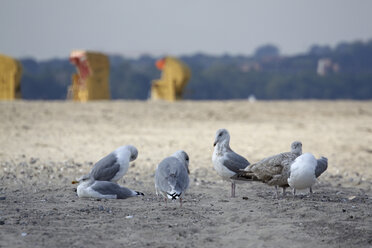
(82, 179)
(183, 157)
(296, 147)
(133, 152)
(222, 136)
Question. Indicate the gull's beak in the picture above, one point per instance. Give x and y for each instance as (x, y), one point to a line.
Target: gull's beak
(214, 144)
(75, 182)
(188, 171)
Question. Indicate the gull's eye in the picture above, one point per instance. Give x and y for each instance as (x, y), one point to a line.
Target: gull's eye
(220, 135)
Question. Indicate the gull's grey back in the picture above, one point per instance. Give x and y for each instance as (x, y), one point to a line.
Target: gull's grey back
(322, 165)
(106, 168)
(171, 173)
(110, 188)
(234, 161)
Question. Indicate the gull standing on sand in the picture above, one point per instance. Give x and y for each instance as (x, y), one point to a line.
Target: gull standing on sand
(225, 161)
(113, 166)
(172, 176)
(273, 170)
(305, 170)
(88, 187)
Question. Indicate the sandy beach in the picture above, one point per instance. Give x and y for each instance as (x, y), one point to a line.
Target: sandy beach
(45, 145)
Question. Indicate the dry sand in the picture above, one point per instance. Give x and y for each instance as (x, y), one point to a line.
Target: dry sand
(45, 145)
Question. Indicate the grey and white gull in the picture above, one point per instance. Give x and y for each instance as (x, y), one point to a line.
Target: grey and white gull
(113, 166)
(225, 161)
(172, 176)
(305, 170)
(273, 170)
(89, 187)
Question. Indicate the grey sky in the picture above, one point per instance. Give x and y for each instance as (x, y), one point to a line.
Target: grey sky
(49, 28)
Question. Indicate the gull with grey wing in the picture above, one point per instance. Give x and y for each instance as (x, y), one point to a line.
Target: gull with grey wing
(172, 176)
(305, 170)
(225, 161)
(113, 166)
(89, 188)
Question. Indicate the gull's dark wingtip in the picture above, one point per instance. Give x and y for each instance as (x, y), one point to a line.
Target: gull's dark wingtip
(174, 196)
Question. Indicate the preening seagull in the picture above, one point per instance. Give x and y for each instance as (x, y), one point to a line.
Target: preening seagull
(88, 187)
(304, 171)
(113, 166)
(272, 170)
(172, 176)
(225, 161)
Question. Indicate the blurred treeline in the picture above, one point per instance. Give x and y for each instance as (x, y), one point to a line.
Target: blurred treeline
(266, 75)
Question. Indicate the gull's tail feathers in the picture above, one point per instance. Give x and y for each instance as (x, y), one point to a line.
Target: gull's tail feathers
(139, 193)
(173, 195)
(245, 176)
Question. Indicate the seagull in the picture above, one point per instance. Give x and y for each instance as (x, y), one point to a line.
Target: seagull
(272, 170)
(172, 176)
(88, 187)
(225, 161)
(113, 166)
(305, 170)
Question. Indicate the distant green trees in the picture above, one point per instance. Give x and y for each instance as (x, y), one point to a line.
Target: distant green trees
(46, 80)
(266, 51)
(267, 75)
(286, 77)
